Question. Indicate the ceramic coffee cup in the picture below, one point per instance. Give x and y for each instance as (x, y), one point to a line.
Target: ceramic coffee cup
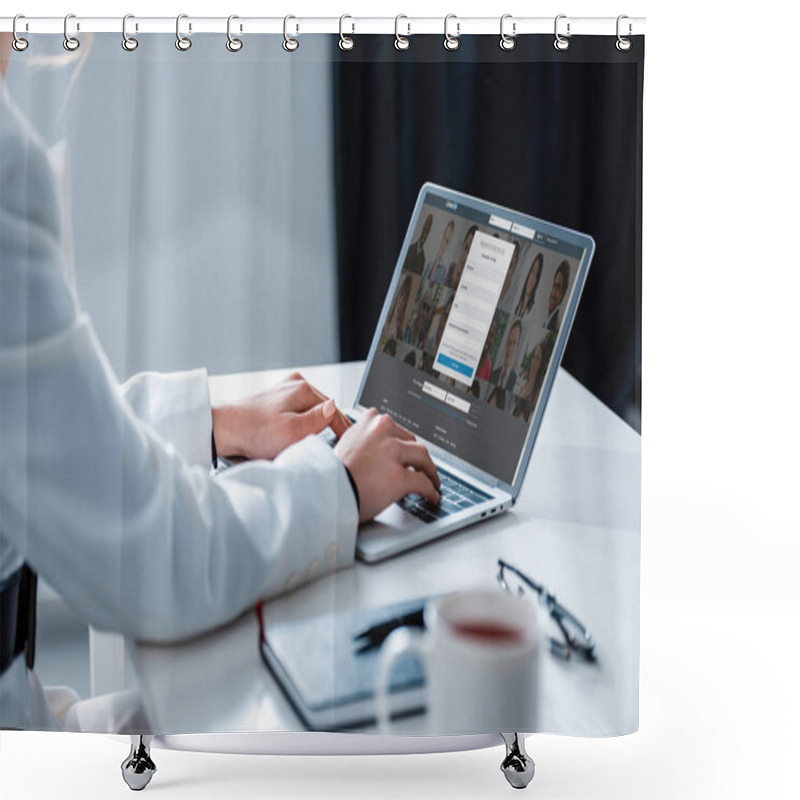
(479, 652)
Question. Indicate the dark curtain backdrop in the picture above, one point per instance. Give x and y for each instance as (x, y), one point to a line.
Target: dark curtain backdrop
(557, 135)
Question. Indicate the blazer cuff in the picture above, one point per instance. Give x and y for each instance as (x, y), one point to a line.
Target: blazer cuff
(338, 513)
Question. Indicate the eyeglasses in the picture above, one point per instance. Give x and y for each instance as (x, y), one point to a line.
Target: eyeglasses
(575, 635)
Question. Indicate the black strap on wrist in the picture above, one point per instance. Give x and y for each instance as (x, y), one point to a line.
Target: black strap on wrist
(213, 450)
(355, 488)
(18, 617)
(9, 604)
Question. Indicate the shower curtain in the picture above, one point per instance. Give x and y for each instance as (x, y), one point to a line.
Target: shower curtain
(172, 213)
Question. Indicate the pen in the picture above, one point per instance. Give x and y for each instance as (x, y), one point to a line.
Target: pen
(374, 636)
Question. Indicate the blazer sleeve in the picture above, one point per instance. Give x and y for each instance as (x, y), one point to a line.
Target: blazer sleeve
(177, 406)
(128, 527)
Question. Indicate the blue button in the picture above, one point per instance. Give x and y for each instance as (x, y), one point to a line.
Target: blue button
(456, 366)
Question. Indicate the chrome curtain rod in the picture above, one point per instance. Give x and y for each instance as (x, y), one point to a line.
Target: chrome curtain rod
(407, 26)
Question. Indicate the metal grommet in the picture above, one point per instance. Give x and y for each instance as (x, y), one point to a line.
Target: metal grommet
(507, 42)
(401, 42)
(623, 44)
(289, 44)
(561, 42)
(128, 42)
(19, 44)
(346, 42)
(233, 44)
(183, 43)
(451, 42)
(70, 42)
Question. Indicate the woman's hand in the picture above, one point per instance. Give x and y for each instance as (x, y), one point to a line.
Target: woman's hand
(386, 463)
(264, 425)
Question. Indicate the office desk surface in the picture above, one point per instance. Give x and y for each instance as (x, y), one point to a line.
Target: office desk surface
(575, 528)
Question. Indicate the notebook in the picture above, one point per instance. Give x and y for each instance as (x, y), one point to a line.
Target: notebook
(330, 684)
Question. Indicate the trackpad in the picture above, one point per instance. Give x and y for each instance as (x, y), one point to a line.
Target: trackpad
(388, 533)
(389, 522)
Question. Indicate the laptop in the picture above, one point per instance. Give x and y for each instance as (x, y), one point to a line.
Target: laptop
(465, 354)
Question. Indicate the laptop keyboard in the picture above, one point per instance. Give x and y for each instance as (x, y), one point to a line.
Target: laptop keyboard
(456, 496)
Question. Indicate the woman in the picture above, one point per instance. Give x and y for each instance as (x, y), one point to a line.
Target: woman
(397, 314)
(107, 493)
(438, 325)
(534, 376)
(456, 269)
(435, 271)
(528, 296)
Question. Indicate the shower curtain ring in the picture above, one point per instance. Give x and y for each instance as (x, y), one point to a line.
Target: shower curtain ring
(233, 44)
(182, 42)
(623, 44)
(128, 42)
(507, 42)
(401, 42)
(561, 42)
(19, 44)
(346, 42)
(70, 42)
(289, 44)
(451, 42)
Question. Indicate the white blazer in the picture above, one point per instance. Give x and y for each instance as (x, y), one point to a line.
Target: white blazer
(106, 491)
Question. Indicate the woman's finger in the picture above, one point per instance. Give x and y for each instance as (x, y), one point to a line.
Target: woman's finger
(417, 482)
(416, 455)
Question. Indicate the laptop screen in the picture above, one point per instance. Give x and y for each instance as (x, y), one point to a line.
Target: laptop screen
(470, 328)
